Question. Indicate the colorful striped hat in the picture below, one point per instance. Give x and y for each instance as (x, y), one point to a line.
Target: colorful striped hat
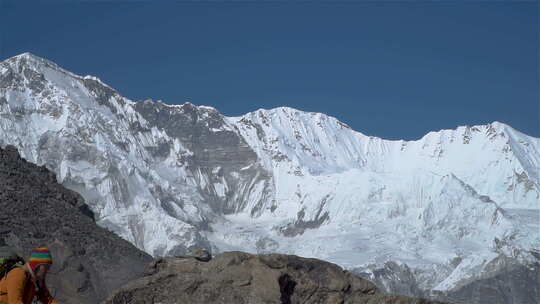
(40, 256)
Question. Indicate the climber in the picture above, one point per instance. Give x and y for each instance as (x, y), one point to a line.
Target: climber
(25, 282)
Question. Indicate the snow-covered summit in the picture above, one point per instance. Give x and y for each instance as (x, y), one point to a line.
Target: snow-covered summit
(31, 61)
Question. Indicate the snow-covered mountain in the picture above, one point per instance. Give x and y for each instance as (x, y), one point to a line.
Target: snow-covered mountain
(170, 177)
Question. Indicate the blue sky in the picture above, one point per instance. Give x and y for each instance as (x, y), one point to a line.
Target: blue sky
(395, 69)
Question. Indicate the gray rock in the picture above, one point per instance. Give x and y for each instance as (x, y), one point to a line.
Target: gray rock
(507, 281)
(237, 277)
(215, 148)
(393, 278)
(200, 254)
(89, 261)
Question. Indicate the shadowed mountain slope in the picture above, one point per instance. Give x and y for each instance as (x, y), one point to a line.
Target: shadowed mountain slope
(89, 261)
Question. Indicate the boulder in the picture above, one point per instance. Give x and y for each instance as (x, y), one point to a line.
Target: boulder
(242, 278)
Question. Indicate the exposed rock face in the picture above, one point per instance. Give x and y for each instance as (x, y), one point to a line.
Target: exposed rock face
(217, 152)
(393, 278)
(506, 282)
(237, 277)
(89, 261)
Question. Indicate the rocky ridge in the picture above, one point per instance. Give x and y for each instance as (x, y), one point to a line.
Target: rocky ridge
(89, 262)
(242, 278)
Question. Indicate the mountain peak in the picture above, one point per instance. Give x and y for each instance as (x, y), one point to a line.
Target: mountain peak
(36, 63)
(282, 109)
(28, 57)
(294, 113)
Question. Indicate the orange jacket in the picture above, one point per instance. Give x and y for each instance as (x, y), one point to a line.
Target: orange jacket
(17, 287)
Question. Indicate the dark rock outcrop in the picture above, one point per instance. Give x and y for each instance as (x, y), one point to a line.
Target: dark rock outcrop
(393, 278)
(218, 152)
(89, 261)
(507, 281)
(237, 277)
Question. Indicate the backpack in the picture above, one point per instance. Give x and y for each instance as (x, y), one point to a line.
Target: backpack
(9, 259)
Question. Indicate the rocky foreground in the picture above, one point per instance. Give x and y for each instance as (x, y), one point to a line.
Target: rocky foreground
(89, 261)
(238, 277)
